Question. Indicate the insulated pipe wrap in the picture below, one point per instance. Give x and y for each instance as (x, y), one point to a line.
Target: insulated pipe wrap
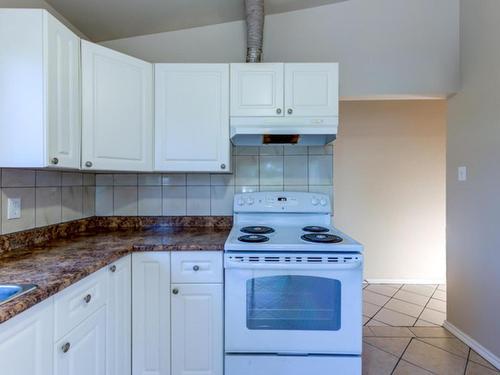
(254, 10)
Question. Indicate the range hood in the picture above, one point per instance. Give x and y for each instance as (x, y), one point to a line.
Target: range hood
(305, 131)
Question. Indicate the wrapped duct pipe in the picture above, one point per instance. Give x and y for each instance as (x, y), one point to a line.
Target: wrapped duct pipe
(254, 10)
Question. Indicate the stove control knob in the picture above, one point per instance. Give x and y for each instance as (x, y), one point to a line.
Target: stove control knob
(322, 202)
(250, 201)
(241, 202)
(315, 201)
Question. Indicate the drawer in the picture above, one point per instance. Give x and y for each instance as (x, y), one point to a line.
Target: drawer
(196, 267)
(77, 302)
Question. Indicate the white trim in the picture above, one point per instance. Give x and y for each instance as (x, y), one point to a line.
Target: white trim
(406, 281)
(481, 350)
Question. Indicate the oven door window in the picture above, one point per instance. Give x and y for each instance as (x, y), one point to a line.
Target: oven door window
(304, 303)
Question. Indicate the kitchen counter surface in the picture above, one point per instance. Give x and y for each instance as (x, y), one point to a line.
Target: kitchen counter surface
(59, 263)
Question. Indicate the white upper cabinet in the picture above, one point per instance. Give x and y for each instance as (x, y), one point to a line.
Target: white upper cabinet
(39, 91)
(312, 90)
(284, 90)
(117, 110)
(257, 89)
(192, 117)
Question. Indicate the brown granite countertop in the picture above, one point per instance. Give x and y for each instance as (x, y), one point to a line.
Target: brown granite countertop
(59, 263)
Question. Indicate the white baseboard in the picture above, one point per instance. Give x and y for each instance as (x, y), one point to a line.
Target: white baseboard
(406, 281)
(481, 350)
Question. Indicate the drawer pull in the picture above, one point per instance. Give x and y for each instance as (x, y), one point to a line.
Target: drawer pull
(175, 291)
(196, 268)
(112, 268)
(65, 347)
(87, 298)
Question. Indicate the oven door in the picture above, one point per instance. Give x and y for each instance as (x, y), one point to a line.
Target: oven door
(273, 305)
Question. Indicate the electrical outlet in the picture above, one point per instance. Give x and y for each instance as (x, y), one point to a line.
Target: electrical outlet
(462, 173)
(13, 208)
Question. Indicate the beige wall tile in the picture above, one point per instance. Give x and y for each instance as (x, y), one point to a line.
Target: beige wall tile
(150, 201)
(125, 179)
(221, 199)
(72, 202)
(27, 220)
(89, 195)
(198, 200)
(72, 179)
(174, 200)
(271, 170)
(125, 201)
(18, 178)
(48, 178)
(48, 208)
(104, 200)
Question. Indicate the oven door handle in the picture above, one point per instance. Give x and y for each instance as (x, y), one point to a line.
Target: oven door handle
(292, 267)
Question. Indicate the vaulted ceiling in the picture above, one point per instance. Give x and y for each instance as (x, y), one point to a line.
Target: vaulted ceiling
(114, 19)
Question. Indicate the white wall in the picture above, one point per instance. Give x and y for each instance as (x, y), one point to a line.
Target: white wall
(473, 207)
(41, 4)
(385, 47)
(389, 186)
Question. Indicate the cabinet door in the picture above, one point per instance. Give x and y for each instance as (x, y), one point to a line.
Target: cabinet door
(117, 112)
(151, 313)
(63, 85)
(119, 318)
(257, 89)
(83, 350)
(192, 117)
(26, 342)
(197, 329)
(312, 89)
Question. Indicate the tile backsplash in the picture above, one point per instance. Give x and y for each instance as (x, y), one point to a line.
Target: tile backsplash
(47, 197)
(51, 197)
(270, 168)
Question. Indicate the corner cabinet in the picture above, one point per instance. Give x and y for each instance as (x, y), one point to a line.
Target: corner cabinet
(192, 118)
(284, 90)
(40, 91)
(117, 110)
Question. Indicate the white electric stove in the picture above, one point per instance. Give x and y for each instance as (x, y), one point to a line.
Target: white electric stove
(293, 301)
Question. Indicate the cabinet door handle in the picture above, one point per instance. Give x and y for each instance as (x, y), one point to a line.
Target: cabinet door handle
(88, 164)
(54, 161)
(175, 291)
(87, 298)
(278, 111)
(65, 347)
(196, 268)
(223, 166)
(290, 111)
(112, 268)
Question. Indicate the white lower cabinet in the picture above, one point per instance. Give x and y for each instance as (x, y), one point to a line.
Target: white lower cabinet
(26, 342)
(83, 350)
(197, 326)
(151, 313)
(119, 318)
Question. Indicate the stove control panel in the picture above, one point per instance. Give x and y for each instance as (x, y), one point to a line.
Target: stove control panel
(299, 202)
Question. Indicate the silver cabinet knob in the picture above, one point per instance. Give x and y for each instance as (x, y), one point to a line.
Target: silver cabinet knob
(88, 164)
(278, 111)
(196, 268)
(54, 161)
(65, 347)
(289, 111)
(112, 268)
(175, 291)
(223, 166)
(87, 298)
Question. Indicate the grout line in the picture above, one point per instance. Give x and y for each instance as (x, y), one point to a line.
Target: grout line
(425, 307)
(437, 347)
(401, 356)
(467, 361)
(382, 308)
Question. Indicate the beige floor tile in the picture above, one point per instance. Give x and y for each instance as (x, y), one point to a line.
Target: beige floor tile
(377, 362)
(374, 298)
(404, 307)
(439, 294)
(386, 290)
(392, 332)
(424, 290)
(376, 323)
(405, 368)
(423, 323)
(430, 332)
(369, 309)
(394, 318)
(365, 319)
(411, 297)
(474, 357)
(442, 287)
(434, 359)
(436, 304)
(367, 332)
(452, 345)
(476, 369)
(433, 316)
(392, 345)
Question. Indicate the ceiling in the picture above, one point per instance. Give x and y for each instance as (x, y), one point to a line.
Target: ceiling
(113, 19)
